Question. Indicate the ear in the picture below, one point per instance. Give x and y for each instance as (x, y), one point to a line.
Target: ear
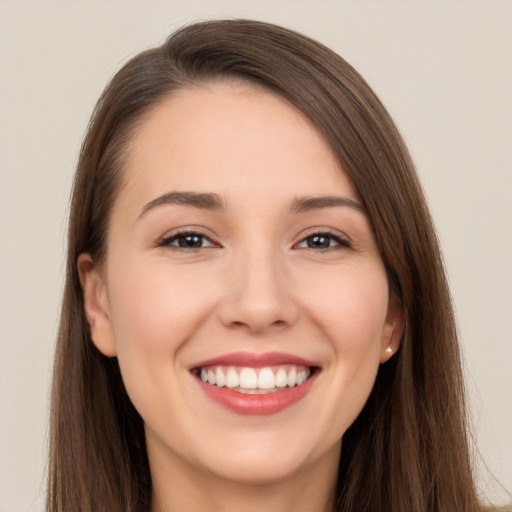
(393, 329)
(96, 305)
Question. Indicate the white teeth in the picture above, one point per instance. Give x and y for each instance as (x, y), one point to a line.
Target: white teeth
(232, 380)
(292, 377)
(220, 380)
(281, 378)
(248, 379)
(266, 379)
(254, 380)
(302, 376)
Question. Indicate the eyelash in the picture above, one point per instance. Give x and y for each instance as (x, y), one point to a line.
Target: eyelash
(182, 235)
(341, 243)
(170, 241)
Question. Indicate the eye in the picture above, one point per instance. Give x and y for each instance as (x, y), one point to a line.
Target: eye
(187, 240)
(323, 241)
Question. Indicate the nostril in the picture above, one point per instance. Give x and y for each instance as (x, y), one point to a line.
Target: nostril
(258, 324)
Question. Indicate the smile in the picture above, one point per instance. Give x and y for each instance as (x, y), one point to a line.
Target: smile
(255, 380)
(251, 384)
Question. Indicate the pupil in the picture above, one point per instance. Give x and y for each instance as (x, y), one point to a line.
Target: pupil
(190, 241)
(319, 241)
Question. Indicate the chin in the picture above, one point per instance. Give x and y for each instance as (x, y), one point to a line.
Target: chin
(266, 471)
(261, 460)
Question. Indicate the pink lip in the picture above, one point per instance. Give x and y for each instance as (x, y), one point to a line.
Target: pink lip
(262, 404)
(257, 405)
(255, 360)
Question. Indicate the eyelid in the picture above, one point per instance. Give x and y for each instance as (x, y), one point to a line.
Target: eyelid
(168, 238)
(343, 241)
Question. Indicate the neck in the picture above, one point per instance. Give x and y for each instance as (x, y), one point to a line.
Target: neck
(178, 486)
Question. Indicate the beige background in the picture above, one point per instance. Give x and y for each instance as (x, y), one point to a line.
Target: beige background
(443, 69)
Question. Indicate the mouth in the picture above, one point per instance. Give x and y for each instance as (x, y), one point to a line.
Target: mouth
(252, 384)
(249, 380)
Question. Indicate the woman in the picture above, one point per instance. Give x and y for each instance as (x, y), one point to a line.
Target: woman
(255, 313)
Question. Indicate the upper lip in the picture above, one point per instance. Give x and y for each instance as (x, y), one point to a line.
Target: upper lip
(252, 360)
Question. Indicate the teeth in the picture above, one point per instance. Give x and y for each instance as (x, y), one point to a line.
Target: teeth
(305, 375)
(266, 379)
(281, 378)
(252, 380)
(292, 377)
(220, 380)
(248, 379)
(232, 380)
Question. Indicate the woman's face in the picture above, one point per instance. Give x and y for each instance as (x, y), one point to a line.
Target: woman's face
(239, 253)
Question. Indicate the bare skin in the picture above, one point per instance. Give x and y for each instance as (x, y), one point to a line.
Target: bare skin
(178, 488)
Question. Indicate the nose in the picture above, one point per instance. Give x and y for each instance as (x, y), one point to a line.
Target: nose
(259, 295)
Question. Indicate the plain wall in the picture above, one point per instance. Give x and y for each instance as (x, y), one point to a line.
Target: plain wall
(443, 69)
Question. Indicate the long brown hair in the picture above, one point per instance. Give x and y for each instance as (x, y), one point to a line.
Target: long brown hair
(408, 449)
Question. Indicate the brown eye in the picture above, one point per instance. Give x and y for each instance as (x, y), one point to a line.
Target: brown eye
(319, 241)
(187, 241)
(323, 241)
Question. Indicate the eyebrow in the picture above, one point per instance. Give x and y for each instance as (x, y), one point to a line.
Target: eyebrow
(205, 201)
(213, 202)
(306, 204)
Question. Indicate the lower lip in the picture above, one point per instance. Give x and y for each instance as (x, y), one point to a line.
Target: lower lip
(257, 405)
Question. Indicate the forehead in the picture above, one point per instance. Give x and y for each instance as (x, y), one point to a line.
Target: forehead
(230, 137)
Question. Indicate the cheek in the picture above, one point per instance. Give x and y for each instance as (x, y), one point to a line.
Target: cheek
(154, 313)
(155, 310)
(351, 314)
(351, 309)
